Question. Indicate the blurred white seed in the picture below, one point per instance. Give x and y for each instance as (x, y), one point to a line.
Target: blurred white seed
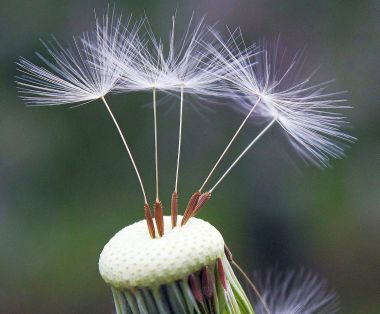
(307, 113)
(294, 292)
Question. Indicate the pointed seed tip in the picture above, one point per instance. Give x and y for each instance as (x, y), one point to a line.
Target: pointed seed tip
(159, 217)
(149, 220)
(190, 207)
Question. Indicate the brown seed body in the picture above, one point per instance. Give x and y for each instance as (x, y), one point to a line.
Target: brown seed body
(149, 221)
(207, 283)
(203, 199)
(190, 207)
(159, 217)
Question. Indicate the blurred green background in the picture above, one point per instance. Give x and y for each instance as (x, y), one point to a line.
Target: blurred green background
(66, 185)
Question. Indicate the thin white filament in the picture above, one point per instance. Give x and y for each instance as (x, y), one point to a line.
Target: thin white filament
(243, 153)
(229, 144)
(179, 140)
(126, 147)
(155, 141)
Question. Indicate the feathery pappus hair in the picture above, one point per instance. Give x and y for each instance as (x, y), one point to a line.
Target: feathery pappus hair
(83, 72)
(185, 63)
(260, 80)
(268, 86)
(294, 292)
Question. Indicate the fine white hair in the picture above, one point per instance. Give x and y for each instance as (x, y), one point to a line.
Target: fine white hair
(306, 112)
(185, 64)
(80, 73)
(294, 292)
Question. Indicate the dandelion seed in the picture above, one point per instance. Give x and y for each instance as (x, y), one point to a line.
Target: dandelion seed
(83, 73)
(305, 112)
(189, 68)
(78, 74)
(308, 114)
(294, 292)
(143, 74)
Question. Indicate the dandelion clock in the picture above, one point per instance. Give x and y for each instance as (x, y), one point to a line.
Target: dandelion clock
(172, 261)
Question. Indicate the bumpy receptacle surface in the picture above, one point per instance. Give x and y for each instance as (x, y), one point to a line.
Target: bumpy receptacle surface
(132, 259)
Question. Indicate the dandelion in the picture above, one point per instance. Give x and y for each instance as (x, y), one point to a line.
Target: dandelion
(187, 267)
